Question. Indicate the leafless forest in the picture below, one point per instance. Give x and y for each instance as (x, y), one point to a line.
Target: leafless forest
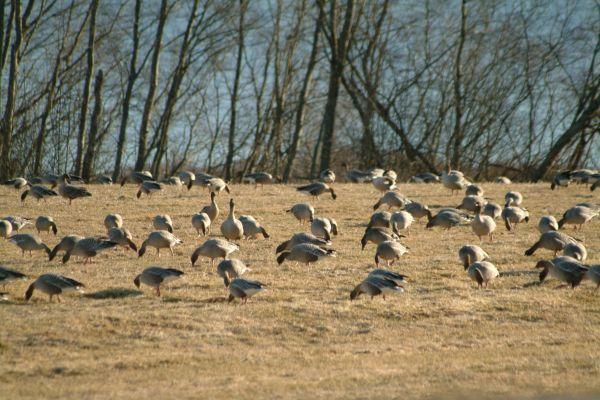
(295, 86)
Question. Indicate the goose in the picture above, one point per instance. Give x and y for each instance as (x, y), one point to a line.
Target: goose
(5, 228)
(156, 276)
(395, 277)
(45, 223)
(561, 179)
(66, 244)
(446, 219)
(232, 228)
(482, 272)
(595, 184)
(593, 274)
(380, 219)
(565, 269)
(471, 202)
(243, 289)
(581, 176)
(50, 180)
(8, 275)
(470, 254)
(417, 210)
(88, 248)
(474, 190)
(38, 192)
(513, 198)
(16, 222)
(305, 253)
(217, 185)
(299, 238)
(425, 177)
(212, 210)
(377, 235)
(375, 286)
(302, 212)
(149, 187)
(18, 183)
(483, 225)
(203, 179)
(163, 222)
(187, 178)
(503, 180)
(577, 215)
(231, 269)
(258, 178)
(71, 192)
(575, 250)
(383, 183)
(401, 220)
(214, 248)
(551, 240)
(324, 227)
(54, 285)
(356, 176)
(252, 228)
(492, 210)
(173, 181)
(391, 199)
(104, 180)
(159, 240)
(376, 172)
(122, 237)
(513, 216)
(327, 176)
(390, 250)
(29, 242)
(547, 223)
(201, 223)
(316, 189)
(137, 177)
(453, 180)
(113, 221)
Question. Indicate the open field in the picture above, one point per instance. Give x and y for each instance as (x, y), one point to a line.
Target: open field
(302, 338)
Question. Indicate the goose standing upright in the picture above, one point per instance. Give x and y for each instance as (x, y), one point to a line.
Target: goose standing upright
(453, 180)
(232, 228)
(212, 210)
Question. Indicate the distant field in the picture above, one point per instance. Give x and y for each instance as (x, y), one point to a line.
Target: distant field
(303, 338)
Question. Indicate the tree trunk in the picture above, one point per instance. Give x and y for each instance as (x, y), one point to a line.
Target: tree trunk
(88, 161)
(457, 133)
(39, 144)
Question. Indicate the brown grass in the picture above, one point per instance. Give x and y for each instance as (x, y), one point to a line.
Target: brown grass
(302, 338)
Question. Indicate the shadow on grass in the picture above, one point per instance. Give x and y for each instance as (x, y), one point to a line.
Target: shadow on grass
(519, 272)
(113, 293)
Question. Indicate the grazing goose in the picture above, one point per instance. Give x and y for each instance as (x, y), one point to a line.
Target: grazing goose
(29, 242)
(137, 177)
(252, 228)
(446, 219)
(575, 250)
(8, 275)
(302, 212)
(104, 180)
(474, 190)
(593, 274)
(547, 223)
(453, 180)
(577, 215)
(243, 289)
(212, 210)
(401, 220)
(492, 210)
(562, 178)
(502, 180)
(425, 177)
(159, 240)
(216, 185)
(384, 183)
(71, 192)
(232, 228)
(16, 222)
(149, 187)
(173, 181)
(375, 286)
(377, 235)
(122, 237)
(88, 248)
(327, 176)
(391, 199)
(258, 178)
(50, 180)
(17, 183)
(356, 176)
(44, 223)
(5, 228)
(163, 222)
(187, 178)
(581, 176)
(551, 240)
(201, 223)
(113, 221)
(471, 202)
(231, 269)
(482, 272)
(299, 238)
(470, 254)
(38, 192)
(54, 285)
(595, 184)
(483, 225)
(66, 244)
(324, 227)
(417, 210)
(305, 253)
(214, 248)
(513, 198)
(390, 250)
(156, 276)
(316, 189)
(395, 277)
(513, 216)
(380, 219)
(565, 269)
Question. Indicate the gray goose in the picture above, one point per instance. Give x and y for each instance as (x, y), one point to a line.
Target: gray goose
(417, 210)
(16, 222)
(122, 237)
(187, 178)
(482, 272)
(302, 212)
(38, 192)
(18, 183)
(324, 227)
(401, 220)
(137, 177)
(316, 189)
(8, 275)
(375, 286)
(54, 285)
(159, 240)
(453, 180)
(201, 223)
(214, 248)
(380, 219)
(561, 179)
(390, 251)
(113, 221)
(157, 276)
(566, 269)
(212, 210)
(391, 199)
(577, 216)
(474, 190)
(424, 177)
(300, 238)
(377, 235)
(5, 229)
(88, 248)
(149, 187)
(513, 216)
(232, 228)
(71, 192)
(66, 244)
(483, 225)
(231, 269)
(327, 176)
(217, 185)
(163, 222)
(547, 223)
(469, 254)
(258, 178)
(241, 288)
(575, 250)
(551, 240)
(305, 253)
(252, 228)
(446, 219)
(29, 242)
(471, 202)
(513, 198)
(44, 223)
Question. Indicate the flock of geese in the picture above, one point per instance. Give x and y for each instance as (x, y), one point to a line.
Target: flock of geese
(384, 229)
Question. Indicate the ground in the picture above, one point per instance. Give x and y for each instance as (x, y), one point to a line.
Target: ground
(303, 337)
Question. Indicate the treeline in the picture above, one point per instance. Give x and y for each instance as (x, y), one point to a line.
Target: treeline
(296, 86)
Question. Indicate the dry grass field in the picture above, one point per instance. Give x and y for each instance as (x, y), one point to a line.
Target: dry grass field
(303, 337)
